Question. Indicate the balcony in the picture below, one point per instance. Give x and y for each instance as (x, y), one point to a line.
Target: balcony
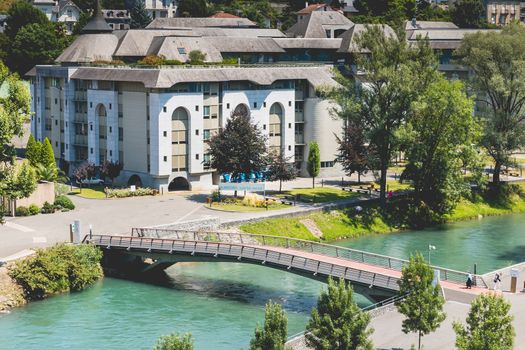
(80, 140)
(299, 139)
(80, 96)
(80, 118)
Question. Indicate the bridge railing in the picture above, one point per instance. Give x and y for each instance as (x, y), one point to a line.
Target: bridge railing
(303, 245)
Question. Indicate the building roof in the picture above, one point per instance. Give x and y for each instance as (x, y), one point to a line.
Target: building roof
(90, 48)
(222, 14)
(308, 43)
(185, 22)
(318, 76)
(178, 48)
(313, 7)
(97, 24)
(349, 37)
(415, 25)
(316, 23)
(43, 2)
(445, 38)
(255, 45)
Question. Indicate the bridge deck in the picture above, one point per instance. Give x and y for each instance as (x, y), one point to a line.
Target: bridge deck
(293, 258)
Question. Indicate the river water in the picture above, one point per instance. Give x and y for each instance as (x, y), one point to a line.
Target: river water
(220, 303)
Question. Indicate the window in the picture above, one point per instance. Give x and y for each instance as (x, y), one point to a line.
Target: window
(289, 125)
(165, 158)
(181, 50)
(165, 133)
(196, 132)
(120, 134)
(110, 129)
(264, 104)
(329, 164)
(206, 134)
(227, 106)
(110, 153)
(196, 108)
(255, 105)
(206, 161)
(56, 122)
(164, 109)
(91, 150)
(197, 156)
(289, 103)
(56, 101)
(206, 112)
(289, 148)
(91, 127)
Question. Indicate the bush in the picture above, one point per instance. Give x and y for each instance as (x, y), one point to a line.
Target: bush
(61, 189)
(253, 200)
(175, 341)
(126, 192)
(216, 196)
(22, 211)
(64, 202)
(47, 208)
(34, 209)
(58, 269)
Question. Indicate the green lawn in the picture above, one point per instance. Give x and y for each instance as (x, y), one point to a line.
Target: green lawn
(319, 194)
(93, 192)
(244, 208)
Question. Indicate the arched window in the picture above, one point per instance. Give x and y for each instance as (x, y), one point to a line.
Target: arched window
(179, 139)
(102, 131)
(275, 132)
(101, 110)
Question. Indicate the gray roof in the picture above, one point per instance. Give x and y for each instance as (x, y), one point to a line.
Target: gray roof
(178, 48)
(136, 43)
(315, 24)
(318, 76)
(89, 48)
(349, 37)
(245, 44)
(97, 23)
(308, 43)
(185, 22)
(445, 38)
(409, 25)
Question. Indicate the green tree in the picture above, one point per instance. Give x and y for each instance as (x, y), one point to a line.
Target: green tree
(175, 341)
(20, 14)
(196, 57)
(354, 156)
(239, 148)
(139, 15)
(35, 44)
(46, 173)
(281, 169)
(33, 150)
(313, 164)
(423, 304)
(273, 335)
(442, 127)
(193, 8)
(81, 23)
(20, 181)
(469, 14)
(497, 60)
(337, 323)
(395, 73)
(489, 325)
(47, 155)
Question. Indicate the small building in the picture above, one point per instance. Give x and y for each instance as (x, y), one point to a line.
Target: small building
(117, 19)
(320, 24)
(161, 8)
(503, 12)
(62, 11)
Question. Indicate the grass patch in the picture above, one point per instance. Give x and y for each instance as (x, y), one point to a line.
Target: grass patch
(245, 208)
(472, 209)
(319, 194)
(94, 192)
(289, 227)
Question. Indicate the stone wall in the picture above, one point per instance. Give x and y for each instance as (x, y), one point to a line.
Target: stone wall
(45, 192)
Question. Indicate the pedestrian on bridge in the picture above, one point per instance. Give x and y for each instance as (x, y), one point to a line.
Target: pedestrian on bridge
(469, 280)
(497, 281)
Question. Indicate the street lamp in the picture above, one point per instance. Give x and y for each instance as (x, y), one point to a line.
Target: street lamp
(430, 248)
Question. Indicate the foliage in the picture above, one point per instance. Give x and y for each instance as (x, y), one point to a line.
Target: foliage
(83, 19)
(498, 63)
(273, 335)
(126, 192)
(337, 323)
(423, 304)
(46, 173)
(354, 155)
(20, 14)
(22, 211)
(469, 14)
(196, 57)
(395, 74)
(441, 127)
(34, 209)
(84, 171)
(58, 269)
(64, 202)
(33, 150)
(111, 169)
(313, 164)
(19, 181)
(47, 208)
(36, 44)
(238, 148)
(139, 15)
(489, 325)
(281, 169)
(193, 8)
(47, 156)
(175, 341)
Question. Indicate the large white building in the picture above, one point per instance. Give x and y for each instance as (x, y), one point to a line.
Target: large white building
(63, 11)
(156, 120)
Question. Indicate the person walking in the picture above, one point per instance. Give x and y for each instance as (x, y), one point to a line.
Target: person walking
(469, 280)
(497, 281)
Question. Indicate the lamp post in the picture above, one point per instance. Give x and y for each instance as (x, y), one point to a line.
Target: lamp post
(430, 248)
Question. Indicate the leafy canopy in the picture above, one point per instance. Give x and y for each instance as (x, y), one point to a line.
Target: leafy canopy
(272, 335)
(175, 341)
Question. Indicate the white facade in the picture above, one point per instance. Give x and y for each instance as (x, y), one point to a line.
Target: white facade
(62, 11)
(160, 8)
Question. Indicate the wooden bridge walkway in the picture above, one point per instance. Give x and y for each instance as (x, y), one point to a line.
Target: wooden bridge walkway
(311, 259)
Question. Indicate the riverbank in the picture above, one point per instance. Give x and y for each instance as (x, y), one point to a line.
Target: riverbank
(349, 223)
(11, 294)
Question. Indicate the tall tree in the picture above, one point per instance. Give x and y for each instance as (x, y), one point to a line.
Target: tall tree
(47, 157)
(497, 60)
(193, 8)
(139, 15)
(394, 74)
(273, 335)
(111, 169)
(313, 164)
(239, 148)
(20, 14)
(175, 341)
(33, 150)
(354, 155)
(489, 325)
(423, 304)
(469, 14)
(442, 127)
(337, 323)
(281, 169)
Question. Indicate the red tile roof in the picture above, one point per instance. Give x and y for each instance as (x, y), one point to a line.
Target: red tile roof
(311, 8)
(222, 14)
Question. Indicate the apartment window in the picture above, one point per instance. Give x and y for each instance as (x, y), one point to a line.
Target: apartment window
(56, 122)
(289, 148)
(56, 101)
(120, 134)
(206, 161)
(56, 143)
(206, 112)
(255, 105)
(196, 132)
(227, 106)
(90, 104)
(329, 164)
(165, 133)
(264, 104)
(110, 106)
(164, 109)
(264, 126)
(182, 51)
(165, 158)
(196, 108)
(110, 129)
(289, 125)
(91, 127)
(206, 134)
(91, 150)
(110, 153)
(197, 156)
(289, 103)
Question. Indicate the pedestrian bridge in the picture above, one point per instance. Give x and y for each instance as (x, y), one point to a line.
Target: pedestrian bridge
(164, 247)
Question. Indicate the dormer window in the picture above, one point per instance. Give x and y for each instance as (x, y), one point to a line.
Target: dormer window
(181, 50)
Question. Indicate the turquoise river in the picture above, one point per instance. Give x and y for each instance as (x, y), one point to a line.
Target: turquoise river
(220, 303)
